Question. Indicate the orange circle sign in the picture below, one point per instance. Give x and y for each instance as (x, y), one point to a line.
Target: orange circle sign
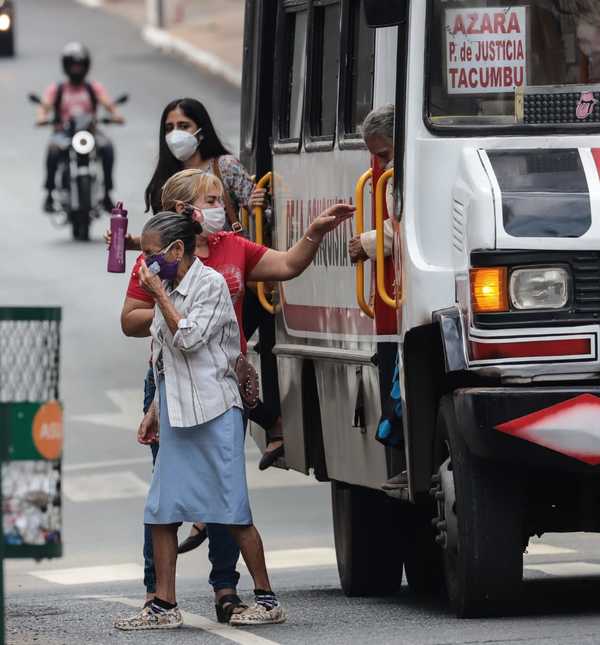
(48, 430)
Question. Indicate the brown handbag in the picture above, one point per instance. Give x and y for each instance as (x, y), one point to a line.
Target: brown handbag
(248, 382)
(232, 216)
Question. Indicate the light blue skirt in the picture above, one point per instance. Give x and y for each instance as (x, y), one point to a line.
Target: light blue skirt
(200, 472)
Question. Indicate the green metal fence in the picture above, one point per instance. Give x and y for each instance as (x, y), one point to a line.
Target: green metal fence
(31, 434)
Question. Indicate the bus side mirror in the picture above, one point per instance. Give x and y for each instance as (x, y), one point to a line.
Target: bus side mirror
(385, 13)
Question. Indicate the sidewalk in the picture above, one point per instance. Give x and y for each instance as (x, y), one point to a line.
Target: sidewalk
(207, 33)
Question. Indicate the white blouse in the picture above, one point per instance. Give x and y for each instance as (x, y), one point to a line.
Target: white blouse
(199, 359)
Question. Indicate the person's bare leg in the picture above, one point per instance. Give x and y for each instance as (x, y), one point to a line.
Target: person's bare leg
(253, 553)
(164, 540)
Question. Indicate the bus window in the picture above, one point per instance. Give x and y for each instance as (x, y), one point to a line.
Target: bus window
(359, 70)
(249, 91)
(291, 72)
(523, 63)
(324, 65)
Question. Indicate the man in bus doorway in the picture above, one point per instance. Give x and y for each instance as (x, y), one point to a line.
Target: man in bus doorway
(378, 134)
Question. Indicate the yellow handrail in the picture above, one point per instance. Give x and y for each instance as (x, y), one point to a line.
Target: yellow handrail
(359, 199)
(258, 223)
(246, 213)
(380, 255)
(245, 218)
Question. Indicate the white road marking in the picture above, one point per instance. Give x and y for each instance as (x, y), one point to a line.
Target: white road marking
(92, 4)
(92, 575)
(235, 635)
(276, 478)
(129, 406)
(539, 548)
(268, 479)
(567, 568)
(93, 465)
(300, 558)
(104, 486)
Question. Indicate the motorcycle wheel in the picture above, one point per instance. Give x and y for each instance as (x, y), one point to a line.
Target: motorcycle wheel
(80, 222)
(84, 185)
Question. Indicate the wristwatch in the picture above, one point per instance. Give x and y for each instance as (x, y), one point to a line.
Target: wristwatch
(184, 323)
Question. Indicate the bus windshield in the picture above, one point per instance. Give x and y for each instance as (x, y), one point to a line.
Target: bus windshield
(530, 62)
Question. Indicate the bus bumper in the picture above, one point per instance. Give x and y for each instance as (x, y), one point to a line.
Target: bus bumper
(546, 427)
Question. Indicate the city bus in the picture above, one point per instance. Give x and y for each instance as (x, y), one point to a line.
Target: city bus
(490, 304)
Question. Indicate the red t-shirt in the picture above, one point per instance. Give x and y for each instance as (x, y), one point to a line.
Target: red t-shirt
(233, 256)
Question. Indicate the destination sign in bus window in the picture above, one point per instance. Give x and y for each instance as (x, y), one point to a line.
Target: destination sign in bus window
(486, 55)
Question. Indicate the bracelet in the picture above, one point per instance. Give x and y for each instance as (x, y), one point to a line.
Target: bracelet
(309, 239)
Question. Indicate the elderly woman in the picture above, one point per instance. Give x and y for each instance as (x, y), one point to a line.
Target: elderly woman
(239, 261)
(200, 469)
(378, 133)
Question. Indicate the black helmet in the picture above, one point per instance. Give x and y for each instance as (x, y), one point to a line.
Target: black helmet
(76, 54)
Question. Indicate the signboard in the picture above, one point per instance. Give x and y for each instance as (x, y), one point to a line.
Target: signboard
(31, 501)
(486, 49)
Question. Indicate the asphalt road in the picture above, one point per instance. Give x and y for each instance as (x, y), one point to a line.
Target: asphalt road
(73, 600)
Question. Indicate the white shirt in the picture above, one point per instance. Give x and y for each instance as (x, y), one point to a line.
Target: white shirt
(368, 239)
(199, 360)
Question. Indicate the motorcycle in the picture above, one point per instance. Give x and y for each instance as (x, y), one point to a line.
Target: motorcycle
(79, 174)
(7, 28)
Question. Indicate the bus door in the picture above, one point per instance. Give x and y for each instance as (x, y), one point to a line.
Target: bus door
(255, 155)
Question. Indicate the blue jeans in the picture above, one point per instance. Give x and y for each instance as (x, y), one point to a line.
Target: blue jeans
(223, 551)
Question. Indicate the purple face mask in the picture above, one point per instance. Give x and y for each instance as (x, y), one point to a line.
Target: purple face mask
(160, 266)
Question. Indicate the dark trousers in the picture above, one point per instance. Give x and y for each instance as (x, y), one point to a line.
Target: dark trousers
(267, 411)
(56, 154)
(223, 551)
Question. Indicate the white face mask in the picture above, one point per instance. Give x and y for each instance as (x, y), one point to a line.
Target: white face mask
(182, 144)
(214, 219)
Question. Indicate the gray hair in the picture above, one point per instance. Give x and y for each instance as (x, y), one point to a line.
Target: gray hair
(379, 122)
(172, 226)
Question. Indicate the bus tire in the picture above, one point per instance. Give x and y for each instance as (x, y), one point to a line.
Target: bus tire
(481, 522)
(367, 540)
(423, 564)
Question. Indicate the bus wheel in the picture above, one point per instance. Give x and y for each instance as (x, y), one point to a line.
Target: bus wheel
(367, 538)
(423, 564)
(480, 526)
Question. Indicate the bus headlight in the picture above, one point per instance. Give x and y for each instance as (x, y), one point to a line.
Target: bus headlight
(539, 288)
(4, 22)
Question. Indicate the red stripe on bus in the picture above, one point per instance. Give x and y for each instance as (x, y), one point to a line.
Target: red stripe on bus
(333, 320)
(596, 155)
(530, 349)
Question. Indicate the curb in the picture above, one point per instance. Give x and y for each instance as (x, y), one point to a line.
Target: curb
(166, 42)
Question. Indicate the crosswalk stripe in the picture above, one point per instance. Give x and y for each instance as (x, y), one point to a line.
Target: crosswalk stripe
(94, 465)
(566, 569)
(91, 575)
(235, 635)
(300, 558)
(126, 484)
(538, 548)
(104, 486)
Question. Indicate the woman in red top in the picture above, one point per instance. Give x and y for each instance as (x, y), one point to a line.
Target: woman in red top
(239, 261)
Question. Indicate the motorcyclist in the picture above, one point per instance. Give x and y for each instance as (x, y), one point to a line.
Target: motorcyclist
(65, 100)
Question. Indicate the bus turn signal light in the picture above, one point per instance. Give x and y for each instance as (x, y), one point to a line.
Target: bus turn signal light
(489, 291)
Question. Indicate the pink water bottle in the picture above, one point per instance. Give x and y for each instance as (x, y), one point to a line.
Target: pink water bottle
(118, 231)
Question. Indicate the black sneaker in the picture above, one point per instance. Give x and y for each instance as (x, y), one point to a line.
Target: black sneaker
(48, 204)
